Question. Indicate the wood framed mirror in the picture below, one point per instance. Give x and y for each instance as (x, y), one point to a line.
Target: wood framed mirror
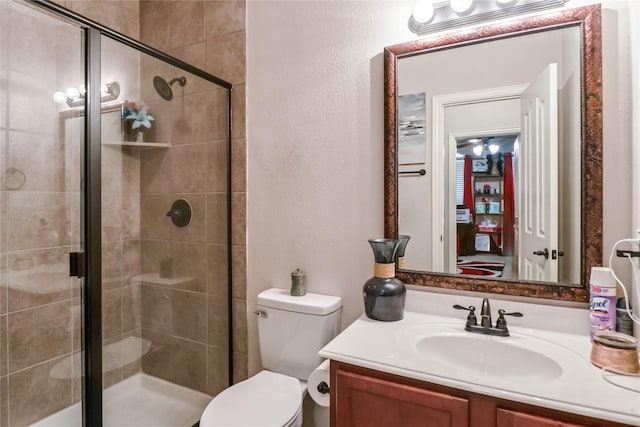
(578, 32)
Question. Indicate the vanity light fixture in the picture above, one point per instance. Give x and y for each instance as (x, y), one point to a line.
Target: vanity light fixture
(460, 6)
(430, 16)
(75, 97)
(423, 11)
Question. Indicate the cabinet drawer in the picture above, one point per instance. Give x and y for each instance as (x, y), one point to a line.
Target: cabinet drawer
(374, 402)
(507, 418)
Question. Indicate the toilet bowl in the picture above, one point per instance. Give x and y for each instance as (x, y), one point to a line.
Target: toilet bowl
(265, 399)
(291, 329)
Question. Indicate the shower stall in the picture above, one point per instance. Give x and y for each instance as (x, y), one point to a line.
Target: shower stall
(114, 227)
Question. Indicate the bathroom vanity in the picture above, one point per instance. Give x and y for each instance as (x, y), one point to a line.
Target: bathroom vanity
(427, 370)
(366, 397)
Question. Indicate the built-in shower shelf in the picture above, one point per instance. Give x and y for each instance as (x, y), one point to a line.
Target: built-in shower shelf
(155, 279)
(137, 144)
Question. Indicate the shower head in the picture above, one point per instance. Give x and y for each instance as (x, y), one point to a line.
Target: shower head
(164, 89)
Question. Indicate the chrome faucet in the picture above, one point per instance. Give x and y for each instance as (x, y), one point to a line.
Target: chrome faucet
(485, 326)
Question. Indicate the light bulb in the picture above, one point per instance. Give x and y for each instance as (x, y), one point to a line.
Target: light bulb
(494, 148)
(72, 93)
(423, 11)
(460, 6)
(59, 97)
(477, 149)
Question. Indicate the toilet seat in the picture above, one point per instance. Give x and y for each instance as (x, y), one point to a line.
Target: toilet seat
(266, 399)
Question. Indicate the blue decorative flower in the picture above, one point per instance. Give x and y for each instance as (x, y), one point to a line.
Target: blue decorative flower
(140, 117)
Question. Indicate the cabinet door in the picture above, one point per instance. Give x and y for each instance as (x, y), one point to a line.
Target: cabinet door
(506, 418)
(372, 402)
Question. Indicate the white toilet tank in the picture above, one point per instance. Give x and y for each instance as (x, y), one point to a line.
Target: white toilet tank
(293, 329)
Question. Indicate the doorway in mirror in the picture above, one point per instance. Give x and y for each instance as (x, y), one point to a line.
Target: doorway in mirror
(485, 183)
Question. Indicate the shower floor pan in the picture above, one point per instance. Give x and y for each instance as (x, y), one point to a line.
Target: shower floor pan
(139, 401)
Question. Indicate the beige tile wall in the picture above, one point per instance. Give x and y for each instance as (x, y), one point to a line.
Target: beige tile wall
(44, 222)
(211, 35)
(187, 321)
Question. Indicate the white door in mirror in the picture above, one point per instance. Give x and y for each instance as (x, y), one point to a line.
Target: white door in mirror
(538, 180)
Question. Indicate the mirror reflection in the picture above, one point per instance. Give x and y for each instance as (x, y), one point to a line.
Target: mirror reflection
(499, 134)
(533, 88)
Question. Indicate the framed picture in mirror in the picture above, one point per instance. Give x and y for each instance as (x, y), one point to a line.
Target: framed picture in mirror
(480, 165)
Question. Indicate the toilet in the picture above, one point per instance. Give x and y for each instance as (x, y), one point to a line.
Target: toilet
(291, 330)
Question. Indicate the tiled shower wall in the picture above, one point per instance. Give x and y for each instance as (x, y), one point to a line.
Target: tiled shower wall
(40, 217)
(210, 35)
(186, 322)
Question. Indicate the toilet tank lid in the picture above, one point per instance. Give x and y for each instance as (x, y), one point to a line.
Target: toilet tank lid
(309, 304)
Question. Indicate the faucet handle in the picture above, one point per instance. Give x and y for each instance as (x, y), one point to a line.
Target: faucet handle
(471, 318)
(501, 323)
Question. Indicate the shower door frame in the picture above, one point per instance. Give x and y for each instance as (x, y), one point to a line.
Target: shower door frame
(91, 258)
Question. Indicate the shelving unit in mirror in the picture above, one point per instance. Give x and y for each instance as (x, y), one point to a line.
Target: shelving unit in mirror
(488, 200)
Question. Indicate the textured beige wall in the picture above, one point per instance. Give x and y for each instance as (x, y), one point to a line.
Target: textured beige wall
(315, 164)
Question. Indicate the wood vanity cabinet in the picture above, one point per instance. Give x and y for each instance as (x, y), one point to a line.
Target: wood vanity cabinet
(362, 397)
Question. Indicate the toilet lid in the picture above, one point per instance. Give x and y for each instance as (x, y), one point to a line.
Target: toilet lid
(266, 399)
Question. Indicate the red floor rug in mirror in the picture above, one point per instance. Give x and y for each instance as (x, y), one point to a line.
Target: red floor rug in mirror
(480, 268)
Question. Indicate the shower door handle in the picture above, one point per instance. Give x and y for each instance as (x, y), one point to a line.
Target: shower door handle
(77, 264)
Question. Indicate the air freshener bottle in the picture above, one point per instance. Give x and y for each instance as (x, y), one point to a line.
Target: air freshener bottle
(602, 300)
(298, 287)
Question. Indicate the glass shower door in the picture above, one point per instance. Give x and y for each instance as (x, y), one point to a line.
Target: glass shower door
(41, 79)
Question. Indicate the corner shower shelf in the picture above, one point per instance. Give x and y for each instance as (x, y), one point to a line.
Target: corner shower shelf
(137, 144)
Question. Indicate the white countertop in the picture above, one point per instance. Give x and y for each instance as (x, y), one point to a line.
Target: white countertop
(386, 346)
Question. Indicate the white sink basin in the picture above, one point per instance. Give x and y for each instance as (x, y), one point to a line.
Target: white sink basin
(488, 356)
(518, 357)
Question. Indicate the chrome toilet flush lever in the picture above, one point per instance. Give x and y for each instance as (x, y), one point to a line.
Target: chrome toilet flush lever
(485, 326)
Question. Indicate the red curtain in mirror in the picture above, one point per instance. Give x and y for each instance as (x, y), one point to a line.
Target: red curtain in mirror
(509, 209)
(468, 191)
